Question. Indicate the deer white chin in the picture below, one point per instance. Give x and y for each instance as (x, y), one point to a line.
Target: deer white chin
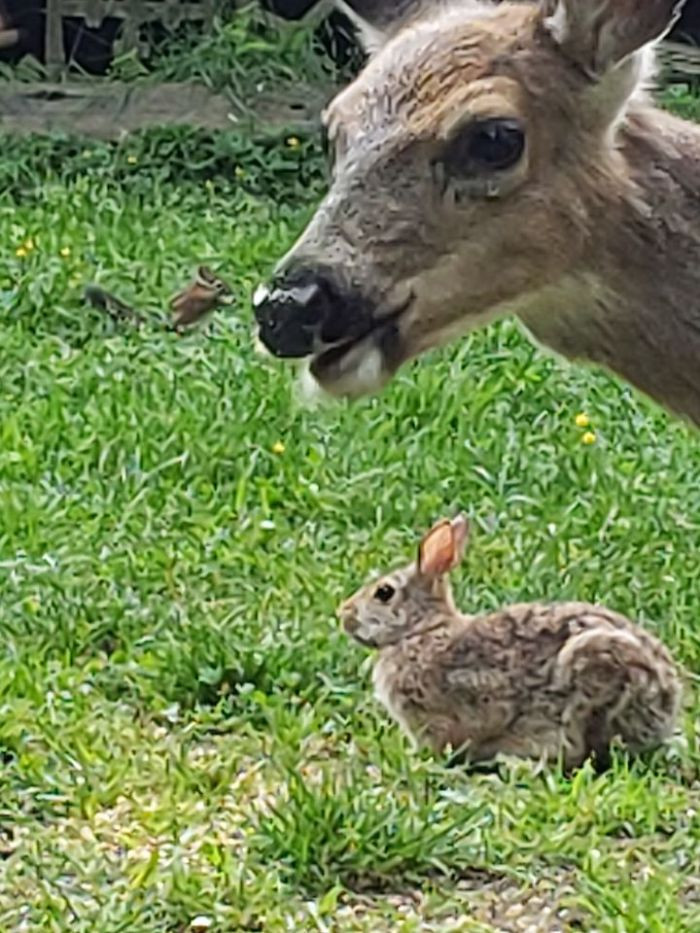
(349, 372)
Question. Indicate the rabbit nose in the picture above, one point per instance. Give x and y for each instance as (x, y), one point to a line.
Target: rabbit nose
(347, 617)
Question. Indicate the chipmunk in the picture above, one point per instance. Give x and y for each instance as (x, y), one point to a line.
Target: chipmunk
(195, 303)
(190, 306)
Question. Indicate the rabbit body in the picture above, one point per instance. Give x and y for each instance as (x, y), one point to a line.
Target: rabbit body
(536, 681)
(540, 681)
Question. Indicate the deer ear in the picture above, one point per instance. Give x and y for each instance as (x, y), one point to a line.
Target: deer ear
(443, 546)
(600, 34)
(377, 21)
(374, 21)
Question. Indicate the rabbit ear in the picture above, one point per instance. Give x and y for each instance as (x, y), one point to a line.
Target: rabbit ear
(443, 546)
(460, 530)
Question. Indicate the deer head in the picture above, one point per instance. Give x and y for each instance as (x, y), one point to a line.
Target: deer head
(484, 162)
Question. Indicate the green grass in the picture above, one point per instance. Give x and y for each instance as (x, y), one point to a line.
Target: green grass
(184, 730)
(242, 50)
(242, 53)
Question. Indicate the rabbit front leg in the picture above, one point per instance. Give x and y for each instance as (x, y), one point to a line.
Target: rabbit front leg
(431, 730)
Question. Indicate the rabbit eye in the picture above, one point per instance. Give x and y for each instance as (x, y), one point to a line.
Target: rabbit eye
(384, 592)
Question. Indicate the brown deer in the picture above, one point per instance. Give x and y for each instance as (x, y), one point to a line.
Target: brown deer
(498, 159)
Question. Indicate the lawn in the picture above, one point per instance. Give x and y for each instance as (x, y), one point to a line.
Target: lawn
(188, 739)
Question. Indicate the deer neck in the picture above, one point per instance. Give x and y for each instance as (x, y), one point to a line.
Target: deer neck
(632, 301)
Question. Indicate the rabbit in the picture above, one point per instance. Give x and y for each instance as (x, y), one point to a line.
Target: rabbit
(550, 682)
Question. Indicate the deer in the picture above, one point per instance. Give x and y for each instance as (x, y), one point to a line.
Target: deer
(496, 159)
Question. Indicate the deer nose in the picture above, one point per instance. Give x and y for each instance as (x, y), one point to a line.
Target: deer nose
(306, 311)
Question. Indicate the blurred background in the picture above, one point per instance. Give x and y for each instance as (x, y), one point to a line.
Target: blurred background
(89, 42)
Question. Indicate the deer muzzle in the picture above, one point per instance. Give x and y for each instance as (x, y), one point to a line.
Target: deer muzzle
(353, 342)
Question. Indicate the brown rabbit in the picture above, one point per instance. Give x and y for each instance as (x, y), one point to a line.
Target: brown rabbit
(542, 681)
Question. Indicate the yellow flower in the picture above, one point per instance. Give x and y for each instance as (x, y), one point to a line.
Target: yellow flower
(293, 142)
(65, 251)
(278, 447)
(239, 172)
(132, 159)
(29, 244)
(21, 252)
(588, 438)
(582, 420)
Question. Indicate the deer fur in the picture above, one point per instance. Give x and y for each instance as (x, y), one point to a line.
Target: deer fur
(592, 239)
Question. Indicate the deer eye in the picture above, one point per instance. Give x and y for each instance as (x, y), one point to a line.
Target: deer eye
(384, 592)
(489, 145)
